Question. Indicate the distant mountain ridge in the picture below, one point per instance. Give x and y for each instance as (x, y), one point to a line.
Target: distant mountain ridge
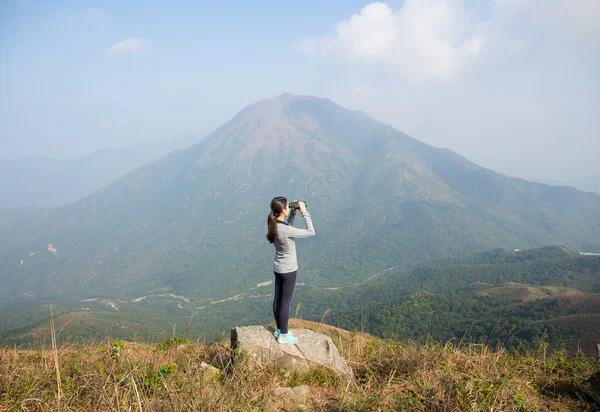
(44, 182)
(194, 221)
(589, 183)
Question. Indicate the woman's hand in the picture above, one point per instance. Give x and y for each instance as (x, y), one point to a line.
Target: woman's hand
(302, 207)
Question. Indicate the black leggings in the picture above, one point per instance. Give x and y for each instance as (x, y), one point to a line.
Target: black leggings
(284, 289)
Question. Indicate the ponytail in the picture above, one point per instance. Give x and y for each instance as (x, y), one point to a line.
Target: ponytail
(271, 226)
(277, 206)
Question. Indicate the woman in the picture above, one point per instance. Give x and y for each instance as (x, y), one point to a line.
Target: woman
(285, 266)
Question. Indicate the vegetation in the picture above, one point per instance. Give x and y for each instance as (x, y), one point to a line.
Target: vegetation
(510, 297)
(193, 223)
(500, 297)
(390, 375)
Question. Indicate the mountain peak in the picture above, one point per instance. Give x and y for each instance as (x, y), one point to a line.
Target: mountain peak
(285, 99)
(385, 199)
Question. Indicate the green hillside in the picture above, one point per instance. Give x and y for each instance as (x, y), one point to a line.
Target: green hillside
(509, 298)
(502, 297)
(193, 223)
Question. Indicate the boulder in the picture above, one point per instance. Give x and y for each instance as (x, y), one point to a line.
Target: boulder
(211, 374)
(286, 393)
(292, 403)
(592, 387)
(299, 394)
(312, 349)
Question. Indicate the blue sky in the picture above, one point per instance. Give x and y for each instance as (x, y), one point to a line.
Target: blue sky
(510, 84)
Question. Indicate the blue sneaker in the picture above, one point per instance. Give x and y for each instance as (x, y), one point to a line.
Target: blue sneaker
(288, 338)
(277, 332)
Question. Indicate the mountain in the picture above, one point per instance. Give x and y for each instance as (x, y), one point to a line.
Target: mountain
(45, 182)
(193, 223)
(588, 183)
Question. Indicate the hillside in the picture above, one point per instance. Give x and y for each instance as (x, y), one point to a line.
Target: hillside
(547, 266)
(568, 318)
(44, 182)
(500, 297)
(389, 375)
(192, 223)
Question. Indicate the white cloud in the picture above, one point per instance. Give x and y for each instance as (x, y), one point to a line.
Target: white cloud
(581, 18)
(567, 17)
(134, 45)
(363, 89)
(97, 12)
(524, 75)
(424, 39)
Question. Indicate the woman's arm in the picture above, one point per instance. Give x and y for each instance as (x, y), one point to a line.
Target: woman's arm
(300, 233)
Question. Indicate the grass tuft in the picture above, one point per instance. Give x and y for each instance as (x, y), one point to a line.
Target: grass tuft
(403, 376)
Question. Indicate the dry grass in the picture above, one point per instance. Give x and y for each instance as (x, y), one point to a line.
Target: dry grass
(116, 376)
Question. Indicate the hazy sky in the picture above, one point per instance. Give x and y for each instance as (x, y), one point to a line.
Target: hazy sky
(513, 85)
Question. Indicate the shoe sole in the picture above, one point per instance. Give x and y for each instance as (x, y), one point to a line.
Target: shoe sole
(277, 334)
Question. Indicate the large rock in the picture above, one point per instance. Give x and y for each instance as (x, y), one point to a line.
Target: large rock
(311, 350)
(299, 394)
(592, 387)
(211, 374)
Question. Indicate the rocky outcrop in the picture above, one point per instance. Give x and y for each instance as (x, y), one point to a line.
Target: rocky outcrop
(296, 398)
(211, 374)
(313, 349)
(592, 387)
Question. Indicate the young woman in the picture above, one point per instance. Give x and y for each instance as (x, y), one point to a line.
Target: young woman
(285, 267)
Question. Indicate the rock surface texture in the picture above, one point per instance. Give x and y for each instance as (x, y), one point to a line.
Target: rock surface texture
(592, 387)
(313, 349)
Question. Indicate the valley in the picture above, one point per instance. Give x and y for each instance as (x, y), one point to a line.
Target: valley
(403, 230)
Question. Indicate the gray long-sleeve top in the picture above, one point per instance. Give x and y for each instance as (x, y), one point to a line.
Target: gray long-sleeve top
(285, 244)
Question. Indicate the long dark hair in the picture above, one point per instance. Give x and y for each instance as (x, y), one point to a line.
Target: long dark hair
(278, 204)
